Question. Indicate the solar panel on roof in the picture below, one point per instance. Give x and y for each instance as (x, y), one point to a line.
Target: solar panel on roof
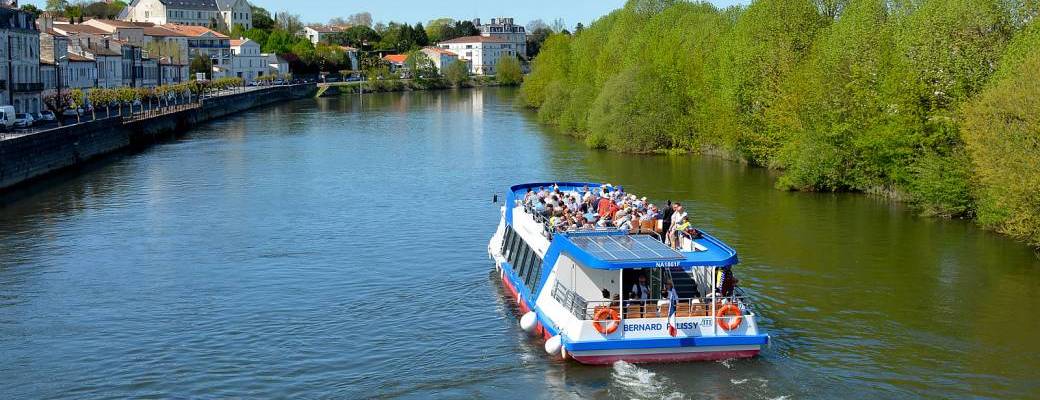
(626, 248)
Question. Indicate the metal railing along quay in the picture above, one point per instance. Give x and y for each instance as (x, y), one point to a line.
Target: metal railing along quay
(131, 113)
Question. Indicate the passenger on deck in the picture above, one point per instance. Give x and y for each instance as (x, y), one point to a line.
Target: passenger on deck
(652, 213)
(727, 282)
(666, 224)
(669, 292)
(675, 237)
(604, 206)
(640, 291)
(623, 220)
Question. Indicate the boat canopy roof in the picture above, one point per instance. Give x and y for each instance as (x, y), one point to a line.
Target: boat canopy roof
(619, 250)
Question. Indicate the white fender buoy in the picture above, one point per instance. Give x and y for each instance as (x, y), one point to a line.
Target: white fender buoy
(528, 321)
(553, 345)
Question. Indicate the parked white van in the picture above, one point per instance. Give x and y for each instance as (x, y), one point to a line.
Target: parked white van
(7, 117)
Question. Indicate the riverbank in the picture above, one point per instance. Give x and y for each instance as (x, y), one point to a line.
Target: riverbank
(401, 85)
(31, 157)
(869, 102)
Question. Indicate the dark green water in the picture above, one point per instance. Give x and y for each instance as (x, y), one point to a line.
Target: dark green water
(335, 248)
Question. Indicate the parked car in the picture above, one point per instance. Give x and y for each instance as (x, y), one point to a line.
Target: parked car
(23, 120)
(47, 116)
(72, 112)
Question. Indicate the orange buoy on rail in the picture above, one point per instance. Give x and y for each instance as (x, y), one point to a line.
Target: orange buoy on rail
(729, 310)
(606, 314)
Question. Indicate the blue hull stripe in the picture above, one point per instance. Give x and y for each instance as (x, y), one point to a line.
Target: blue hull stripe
(668, 343)
(527, 298)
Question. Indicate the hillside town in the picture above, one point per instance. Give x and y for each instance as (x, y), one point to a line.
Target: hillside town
(152, 43)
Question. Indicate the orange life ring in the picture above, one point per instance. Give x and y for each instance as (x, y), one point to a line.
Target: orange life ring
(606, 314)
(730, 310)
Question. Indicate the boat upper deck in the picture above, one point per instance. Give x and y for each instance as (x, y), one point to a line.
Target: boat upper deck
(603, 227)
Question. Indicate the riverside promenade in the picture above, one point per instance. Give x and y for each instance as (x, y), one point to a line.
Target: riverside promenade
(29, 156)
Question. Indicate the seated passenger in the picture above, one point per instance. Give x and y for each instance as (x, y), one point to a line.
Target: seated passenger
(640, 291)
(652, 212)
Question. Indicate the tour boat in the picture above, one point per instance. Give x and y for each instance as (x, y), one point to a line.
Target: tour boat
(571, 287)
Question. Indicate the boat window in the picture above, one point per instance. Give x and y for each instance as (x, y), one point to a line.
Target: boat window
(525, 262)
(515, 247)
(534, 273)
(521, 264)
(508, 244)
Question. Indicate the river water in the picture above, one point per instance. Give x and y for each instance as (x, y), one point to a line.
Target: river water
(336, 248)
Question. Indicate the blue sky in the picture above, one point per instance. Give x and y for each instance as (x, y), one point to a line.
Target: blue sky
(572, 11)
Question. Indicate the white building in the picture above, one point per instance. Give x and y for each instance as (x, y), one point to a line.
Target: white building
(482, 52)
(109, 65)
(166, 44)
(236, 13)
(20, 61)
(441, 58)
(504, 28)
(246, 61)
(320, 33)
(208, 13)
(276, 65)
(209, 43)
(80, 72)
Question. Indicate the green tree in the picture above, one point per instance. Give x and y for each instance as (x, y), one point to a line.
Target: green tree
(1001, 129)
(421, 66)
(435, 29)
(508, 72)
(356, 36)
(29, 8)
(419, 37)
(57, 7)
(261, 18)
(457, 73)
(201, 64)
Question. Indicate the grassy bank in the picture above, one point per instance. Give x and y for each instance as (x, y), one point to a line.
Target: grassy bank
(934, 100)
(407, 85)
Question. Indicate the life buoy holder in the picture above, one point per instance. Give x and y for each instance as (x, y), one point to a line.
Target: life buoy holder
(608, 315)
(729, 310)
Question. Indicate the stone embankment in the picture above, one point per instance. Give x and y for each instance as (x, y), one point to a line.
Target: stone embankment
(29, 157)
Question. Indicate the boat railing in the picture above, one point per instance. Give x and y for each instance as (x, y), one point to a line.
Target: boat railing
(569, 299)
(687, 307)
(687, 242)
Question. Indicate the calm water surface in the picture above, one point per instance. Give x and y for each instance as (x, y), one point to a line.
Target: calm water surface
(336, 248)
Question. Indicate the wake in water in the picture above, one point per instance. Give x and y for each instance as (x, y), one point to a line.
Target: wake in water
(632, 382)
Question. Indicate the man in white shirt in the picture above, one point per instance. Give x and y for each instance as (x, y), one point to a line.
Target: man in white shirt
(640, 291)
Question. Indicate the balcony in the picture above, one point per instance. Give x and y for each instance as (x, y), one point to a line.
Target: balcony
(27, 87)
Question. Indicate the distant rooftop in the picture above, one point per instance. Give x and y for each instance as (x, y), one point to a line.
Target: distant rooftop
(475, 39)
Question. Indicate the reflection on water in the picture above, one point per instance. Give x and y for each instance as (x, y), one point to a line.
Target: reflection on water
(336, 248)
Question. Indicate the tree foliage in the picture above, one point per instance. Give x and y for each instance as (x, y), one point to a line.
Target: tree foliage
(457, 73)
(508, 71)
(1001, 128)
(861, 95)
